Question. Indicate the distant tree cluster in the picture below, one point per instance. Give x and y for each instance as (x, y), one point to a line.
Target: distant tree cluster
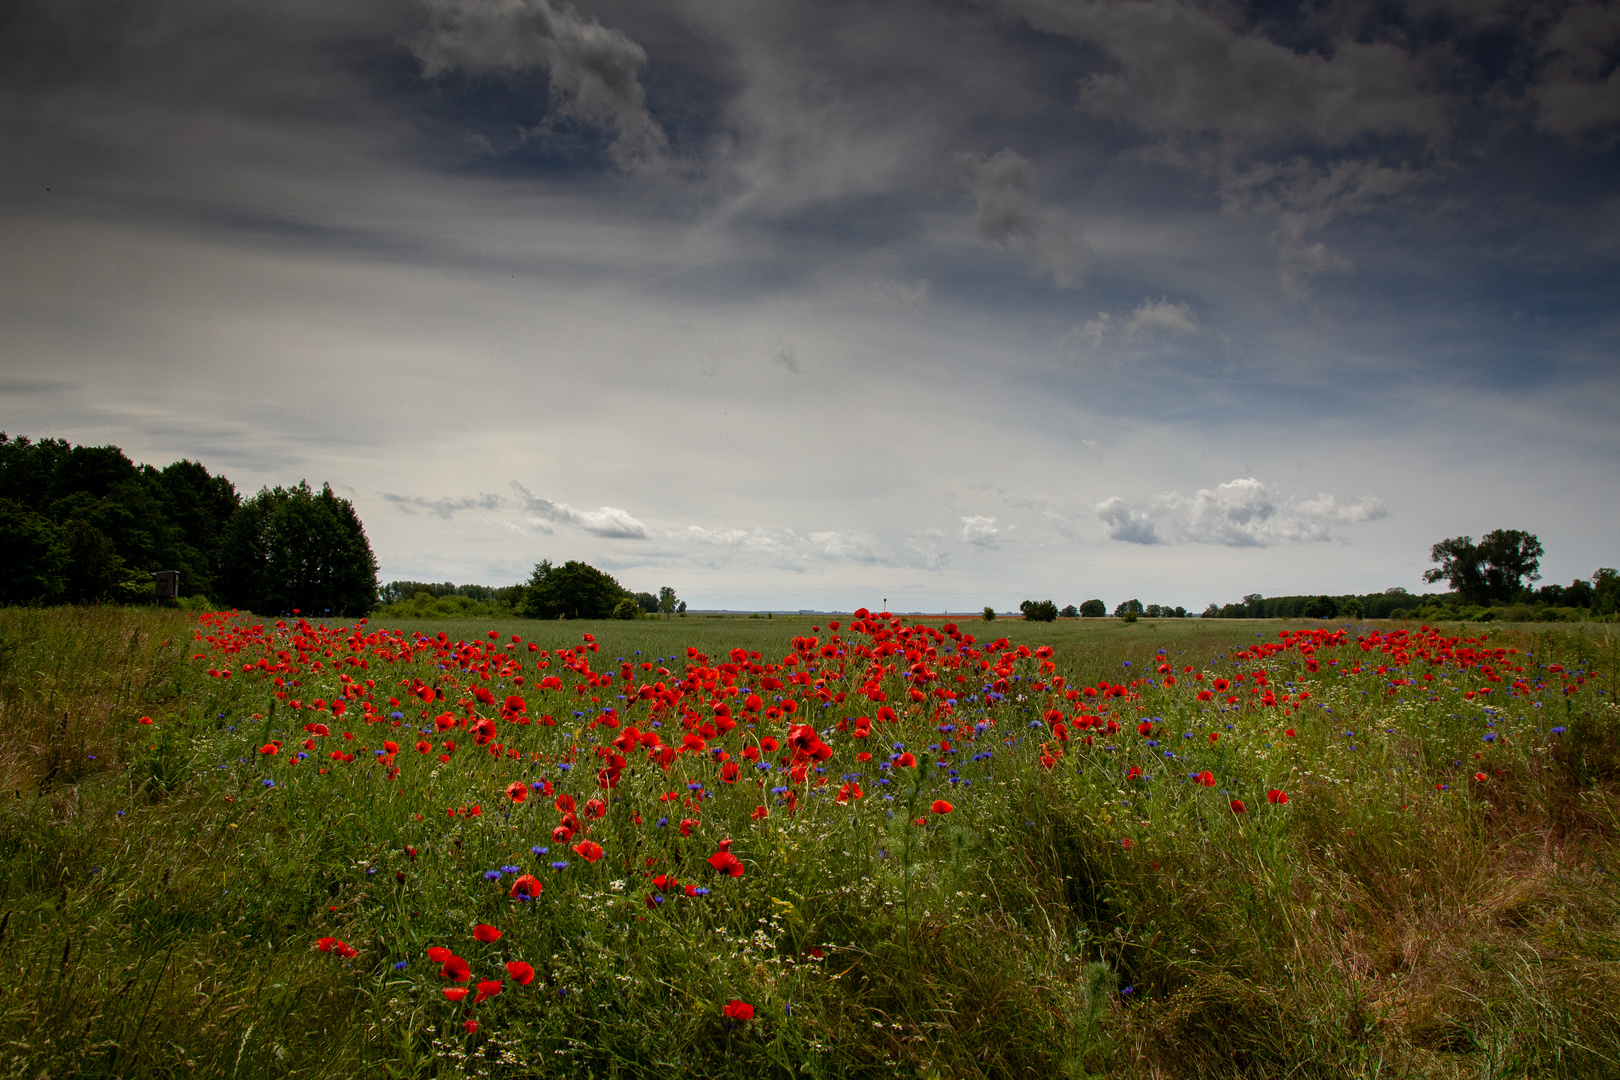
(1135, 608)
(577, 590)
(85, 524)
(1039, 610)
(447, 600)
(1489, 580)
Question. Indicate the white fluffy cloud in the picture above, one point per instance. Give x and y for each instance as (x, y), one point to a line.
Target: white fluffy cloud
(609, 521)
(1242, 513)
(980, 530)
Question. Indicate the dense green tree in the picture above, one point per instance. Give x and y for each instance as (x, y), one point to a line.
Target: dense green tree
(34, 554)
(291, 548)
(1093, 609)
(989, 613)
(629, 608)
(1605, 591)
(1320, 607)
(1494, 569)
(1039, 610)
(574, 590)
(666, 600)
(1070, 612)
(647, 602)
(1129, 607)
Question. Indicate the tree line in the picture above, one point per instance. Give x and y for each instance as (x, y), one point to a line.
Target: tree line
(85, 524)
(1488, 579)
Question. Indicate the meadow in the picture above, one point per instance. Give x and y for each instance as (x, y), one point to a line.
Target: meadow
(234, 846)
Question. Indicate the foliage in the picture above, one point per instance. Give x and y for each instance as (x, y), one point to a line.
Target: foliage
(1093, 609)
(989, 613)
(1494, 569)
(667, 601)
(1128, 607)
(629, 608)
(1039, 610)
(574, 590)
(499, 598)
(1070, 612)
(291, 549)
(85, 524)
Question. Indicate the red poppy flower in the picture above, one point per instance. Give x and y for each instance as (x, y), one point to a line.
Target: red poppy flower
(325, 944)
(1276, 796)
(487, 988)
(456, 969)
(1238, 807)
(729, 772)
(485, 933)
(760, 813)
(905, 761)
(596, 808)
(1144, 728)
(1480, 777)
(561, 834)
(739, 1011)
(517, 791)
(439, 954)
(424, 746)
(455, 993)
(526, 887)
(521, 973)
(726, 863)
(471, 1027)
(564, 804)
(146, 719)
(1289, 733)
(589, 850)
(1206, 778)
(941, 807)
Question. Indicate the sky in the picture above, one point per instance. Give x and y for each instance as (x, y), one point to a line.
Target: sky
(823, 305)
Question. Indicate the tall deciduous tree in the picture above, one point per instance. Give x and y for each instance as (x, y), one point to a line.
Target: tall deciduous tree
(574, 590)
(291, 548)
(1494, 569)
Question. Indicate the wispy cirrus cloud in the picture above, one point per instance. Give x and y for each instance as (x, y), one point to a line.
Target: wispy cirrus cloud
(1241, 513)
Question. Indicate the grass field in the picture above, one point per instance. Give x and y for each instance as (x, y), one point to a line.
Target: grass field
(1382, 852)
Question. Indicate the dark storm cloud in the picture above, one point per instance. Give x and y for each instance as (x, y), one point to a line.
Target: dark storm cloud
(1150, 245)
(594, 70)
